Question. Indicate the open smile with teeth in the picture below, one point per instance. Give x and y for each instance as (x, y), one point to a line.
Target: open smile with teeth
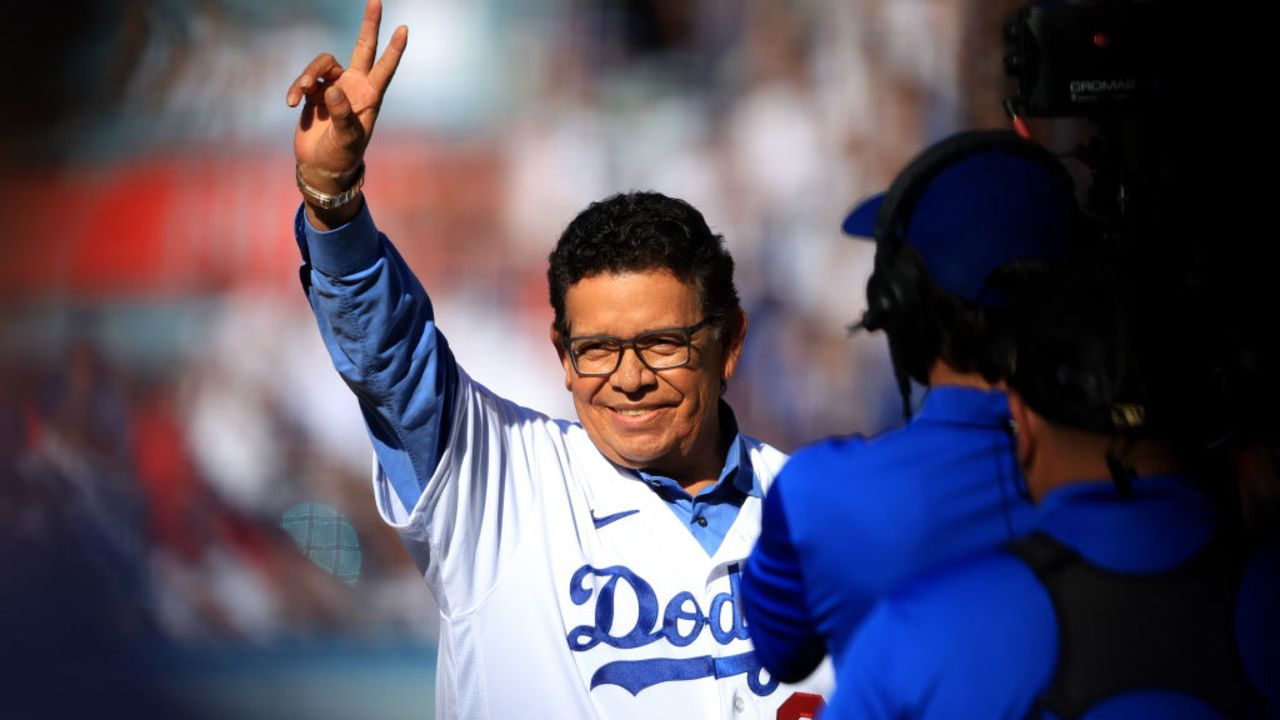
(635, 412)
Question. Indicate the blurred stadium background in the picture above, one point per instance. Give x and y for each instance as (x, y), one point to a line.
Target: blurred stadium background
(185, 512)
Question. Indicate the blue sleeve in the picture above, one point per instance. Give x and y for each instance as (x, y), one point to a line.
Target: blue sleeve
(378, 326)
(867, 523)
(1258, 624)
(774, 600)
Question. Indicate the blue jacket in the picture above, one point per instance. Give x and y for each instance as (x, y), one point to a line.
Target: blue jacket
(850, 519)
(979, 638)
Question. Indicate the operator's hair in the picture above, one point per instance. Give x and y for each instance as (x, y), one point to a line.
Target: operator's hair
(968, 337)
(1100, 336)
(1104, 348)
(638, 231)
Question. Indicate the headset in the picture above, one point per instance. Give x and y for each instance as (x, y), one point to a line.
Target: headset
(902, 287)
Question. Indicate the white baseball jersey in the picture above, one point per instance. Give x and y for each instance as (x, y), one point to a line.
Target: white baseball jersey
(567, 588)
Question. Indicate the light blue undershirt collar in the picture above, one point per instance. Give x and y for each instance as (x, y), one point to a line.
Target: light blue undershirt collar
(710, 515)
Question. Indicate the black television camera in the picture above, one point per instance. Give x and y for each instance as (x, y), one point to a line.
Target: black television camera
(1109, 63)
(1086, 59)
(1166, 86)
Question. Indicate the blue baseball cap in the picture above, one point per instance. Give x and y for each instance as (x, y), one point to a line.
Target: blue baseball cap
(970, 204)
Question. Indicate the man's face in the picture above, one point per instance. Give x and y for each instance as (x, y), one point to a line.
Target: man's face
(665, 421)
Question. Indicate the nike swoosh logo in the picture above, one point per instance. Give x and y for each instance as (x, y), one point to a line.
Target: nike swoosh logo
(601, 522)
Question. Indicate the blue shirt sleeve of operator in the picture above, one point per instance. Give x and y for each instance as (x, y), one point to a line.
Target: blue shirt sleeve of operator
(378, 326)
(775, 598)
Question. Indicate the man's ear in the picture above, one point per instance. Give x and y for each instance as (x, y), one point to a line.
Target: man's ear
(735, 335)
(1027, 429)
(558, 341)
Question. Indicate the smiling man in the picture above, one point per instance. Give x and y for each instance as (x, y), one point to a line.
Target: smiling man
(582, 569)
(646, 267)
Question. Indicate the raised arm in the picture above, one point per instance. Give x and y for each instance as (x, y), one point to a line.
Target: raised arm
(373, 314)
(445, 445)
(340, 108)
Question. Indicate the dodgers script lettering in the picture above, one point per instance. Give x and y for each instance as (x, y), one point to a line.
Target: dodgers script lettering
(654, 623)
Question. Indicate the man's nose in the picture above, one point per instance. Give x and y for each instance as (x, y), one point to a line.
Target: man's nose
(632, 374)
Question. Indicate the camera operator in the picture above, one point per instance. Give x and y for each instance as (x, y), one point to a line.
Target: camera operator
(851, 518)
(1136, 595)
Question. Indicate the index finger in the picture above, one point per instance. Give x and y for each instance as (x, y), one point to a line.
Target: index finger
(325, 67)
(367, 42)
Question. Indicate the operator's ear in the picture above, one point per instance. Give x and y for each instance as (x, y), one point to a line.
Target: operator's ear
(558, 341)
(1029, 430)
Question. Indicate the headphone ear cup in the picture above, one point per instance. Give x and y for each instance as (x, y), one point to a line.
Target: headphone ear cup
(902, 298)
(880, 302)
(893, 292)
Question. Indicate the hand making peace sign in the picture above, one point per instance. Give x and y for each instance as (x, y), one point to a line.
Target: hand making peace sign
(341, 107)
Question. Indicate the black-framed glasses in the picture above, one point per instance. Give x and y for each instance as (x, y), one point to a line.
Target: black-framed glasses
(665, 349)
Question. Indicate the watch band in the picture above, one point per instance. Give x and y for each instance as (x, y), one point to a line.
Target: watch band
(327, 201)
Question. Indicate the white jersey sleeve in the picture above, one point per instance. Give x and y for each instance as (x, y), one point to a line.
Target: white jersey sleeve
(467, 522)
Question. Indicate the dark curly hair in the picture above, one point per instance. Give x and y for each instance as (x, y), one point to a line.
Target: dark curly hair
(636, 231)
